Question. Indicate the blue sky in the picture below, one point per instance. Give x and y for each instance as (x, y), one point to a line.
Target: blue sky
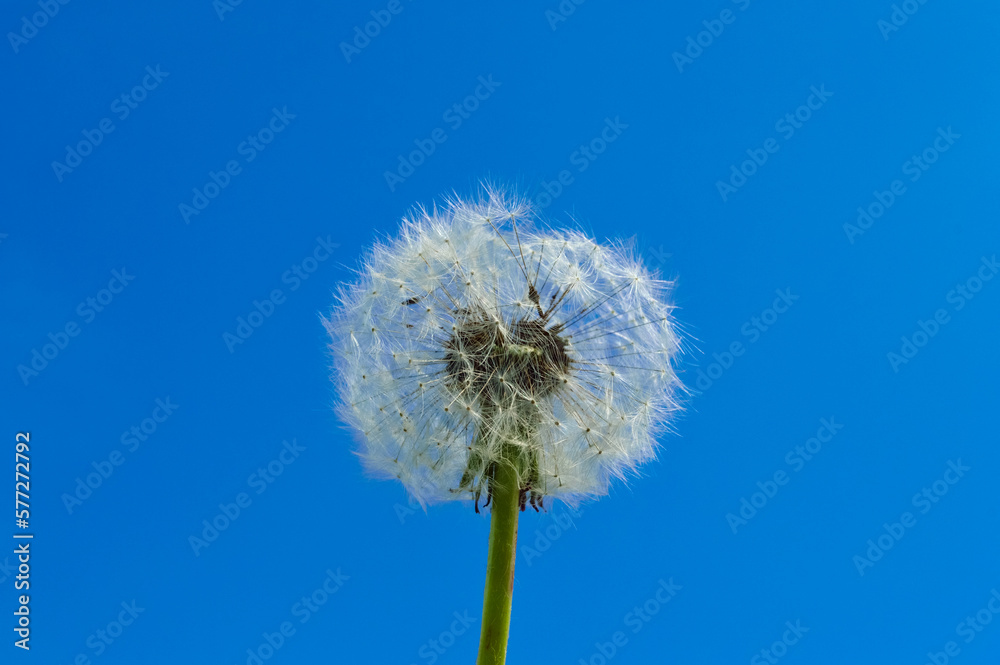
(185, 185)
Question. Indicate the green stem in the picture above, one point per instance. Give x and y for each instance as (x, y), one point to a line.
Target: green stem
(500, 564)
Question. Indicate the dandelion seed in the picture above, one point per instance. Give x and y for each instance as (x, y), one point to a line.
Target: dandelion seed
(540, 364)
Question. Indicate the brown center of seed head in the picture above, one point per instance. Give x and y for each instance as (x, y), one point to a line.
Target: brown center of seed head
(499, 364)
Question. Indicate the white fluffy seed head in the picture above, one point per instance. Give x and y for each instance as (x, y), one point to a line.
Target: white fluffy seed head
(476, 336)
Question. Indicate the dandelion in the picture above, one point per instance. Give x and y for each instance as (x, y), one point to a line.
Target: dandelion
(483, 357)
